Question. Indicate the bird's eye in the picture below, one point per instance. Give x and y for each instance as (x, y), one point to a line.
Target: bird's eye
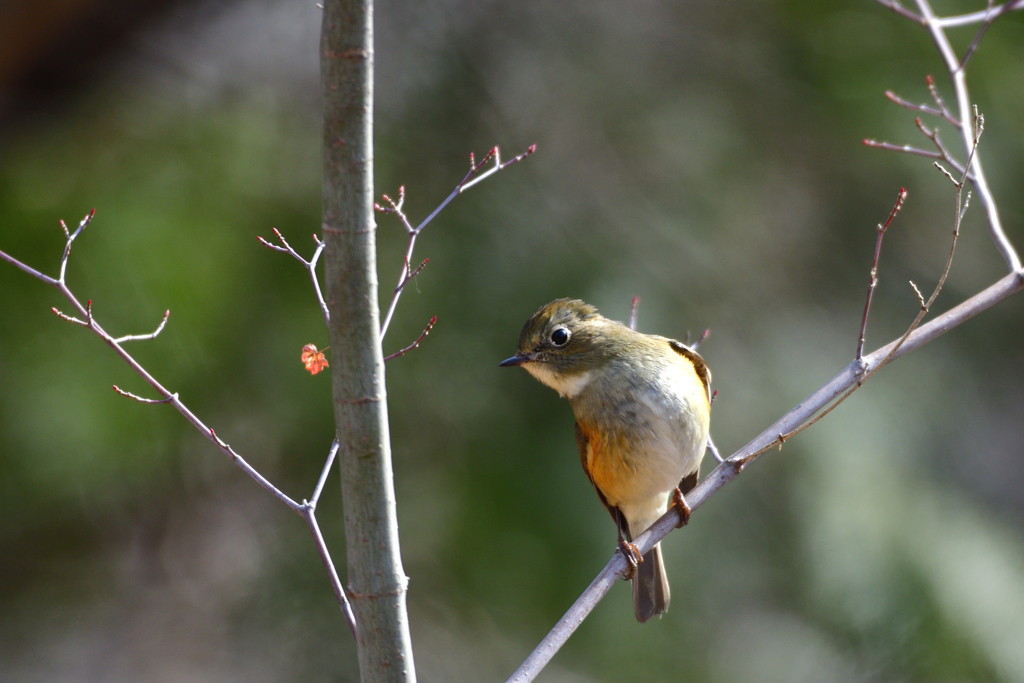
(560, 337)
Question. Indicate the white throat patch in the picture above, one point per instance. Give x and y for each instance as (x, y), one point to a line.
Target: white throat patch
(568, 386)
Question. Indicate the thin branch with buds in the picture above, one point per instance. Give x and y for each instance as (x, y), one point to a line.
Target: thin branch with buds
(906, 149)
(932, 134)
(305, 509)
(146, 337)
(396, 208)
(136, 397)
(873, 282)
(942, 111)
(309, 265)
(410, 347)
(955, 66)
(940, 102)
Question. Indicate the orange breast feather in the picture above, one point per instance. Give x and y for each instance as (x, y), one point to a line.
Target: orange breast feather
(607, 463)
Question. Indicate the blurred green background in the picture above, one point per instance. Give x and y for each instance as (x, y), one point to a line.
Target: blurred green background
(703, 155)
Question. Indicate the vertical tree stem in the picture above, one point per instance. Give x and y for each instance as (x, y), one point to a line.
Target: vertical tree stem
(377, 581)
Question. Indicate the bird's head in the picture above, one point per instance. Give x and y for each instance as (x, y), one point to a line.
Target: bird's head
(564, 342)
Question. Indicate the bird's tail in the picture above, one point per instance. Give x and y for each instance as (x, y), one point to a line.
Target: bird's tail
(650, 586)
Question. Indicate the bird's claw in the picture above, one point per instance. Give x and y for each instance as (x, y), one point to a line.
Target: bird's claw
(632, 555)
(684, 510)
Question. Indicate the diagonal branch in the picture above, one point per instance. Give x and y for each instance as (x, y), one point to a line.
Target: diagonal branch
(990, 16)
(741, 459)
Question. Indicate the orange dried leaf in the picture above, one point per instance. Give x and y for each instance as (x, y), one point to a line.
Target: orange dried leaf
(313, 360)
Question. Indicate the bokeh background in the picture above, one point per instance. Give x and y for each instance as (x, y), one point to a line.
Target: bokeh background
(703, 155)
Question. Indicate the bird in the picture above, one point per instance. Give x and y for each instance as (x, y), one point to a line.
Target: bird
(642, 405)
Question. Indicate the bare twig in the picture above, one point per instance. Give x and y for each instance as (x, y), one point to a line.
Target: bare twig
(873, 280)
(145, 337)
(703, 338)
(138, 398)
(309, 265)
(958, 76)
(323, 475)
(975, 17)
(70, 319)
(309, 515)
(942, 112)
(961, 208)
(920, 298)
(945, 172)
(907, 149)
(632, 312)
(896, 7)
(989, 18)
(933, 135)
(410, 347)
(70, 238)
(713, 450)
(946, 114)
(396, 208)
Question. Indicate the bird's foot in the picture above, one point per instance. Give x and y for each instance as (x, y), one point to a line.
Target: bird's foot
(632, 555)
(684, 510)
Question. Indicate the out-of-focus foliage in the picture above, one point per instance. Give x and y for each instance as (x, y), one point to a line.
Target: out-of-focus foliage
(703, 155)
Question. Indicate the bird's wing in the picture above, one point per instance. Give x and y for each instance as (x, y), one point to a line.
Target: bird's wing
(698, 363)
(583, 444)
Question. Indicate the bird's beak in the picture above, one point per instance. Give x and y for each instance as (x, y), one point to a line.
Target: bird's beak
(516, 360)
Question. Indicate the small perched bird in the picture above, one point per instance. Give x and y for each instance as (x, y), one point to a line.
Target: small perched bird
(642, 405)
